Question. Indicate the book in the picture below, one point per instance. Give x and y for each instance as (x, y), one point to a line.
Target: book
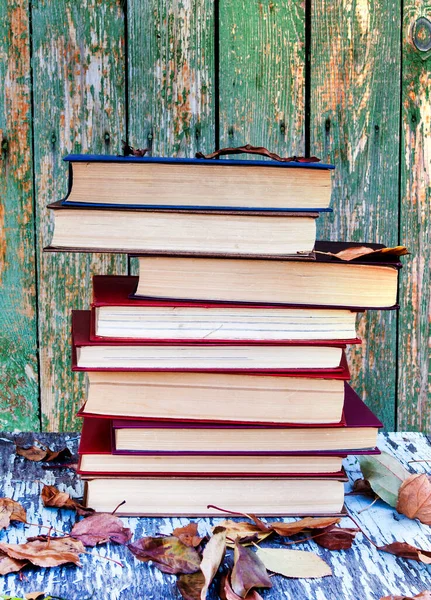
(327, 281)
(218, 397)
(88, 229)
(204, 356)
(358, 432)
(115, 315)
(182, 496)
(96, 459)
(182, 183)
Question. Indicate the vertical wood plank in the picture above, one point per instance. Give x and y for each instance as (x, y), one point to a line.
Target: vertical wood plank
(19, 403)
(355, 108)
(79, 102)
(262, 74)
(414, 383)
(171, 76)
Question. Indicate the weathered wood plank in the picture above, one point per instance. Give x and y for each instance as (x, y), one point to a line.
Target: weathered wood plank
(355, 61)
(414, 364)
(171, 76)
(19, 403)
(79, 100)
(262, 79)
(361, 573)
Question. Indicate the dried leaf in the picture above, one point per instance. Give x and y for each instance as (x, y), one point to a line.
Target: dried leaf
(385, 475)
(10, 510)
(335, 538)
(404, 550)
(101, 528)
(426, 595)
(288, 529)
(190, 585)
(10, 565)
(363, 487)
(226, 592)
(358, 251)
(35, 596)
(211, 559)
(54, 552)
(188, 534)
(38, 454)
(414, 498)
(243, 531)
(294, 563)
(53, 498)
(248, 571)
(168, 554)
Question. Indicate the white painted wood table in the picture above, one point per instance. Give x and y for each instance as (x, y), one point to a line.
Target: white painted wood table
(361, 573)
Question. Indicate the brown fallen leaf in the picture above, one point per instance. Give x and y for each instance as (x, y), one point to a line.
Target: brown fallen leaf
(288, 529)
(248, 571)
(53, 498)
(10, 565)
(212, 556)
(43, 453)
(426, 595)
(362, 487)
(168, 554)
(404, 550)
(35, 596)
(100, 528)
(243, 531)
(335, 538)
(190, 585)
(358, 251)
(10, 510)
(188, 534)
(226, 592)
(54, 552)
(414, 498)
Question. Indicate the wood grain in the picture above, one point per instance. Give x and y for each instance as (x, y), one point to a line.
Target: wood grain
(262, 74)
(79, 106)
(361, 573)
(355, 91)
(19, 406)
(414, 363)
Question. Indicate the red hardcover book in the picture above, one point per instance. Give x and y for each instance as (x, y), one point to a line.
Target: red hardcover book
(88, 354)
(115, 313)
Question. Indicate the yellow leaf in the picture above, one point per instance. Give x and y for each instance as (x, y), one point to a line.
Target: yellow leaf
(294, 563)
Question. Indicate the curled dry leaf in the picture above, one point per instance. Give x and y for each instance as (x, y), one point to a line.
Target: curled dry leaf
(358, 251)
(190, 585)
(226, 592)
(294, 563)
(188, 535)
(38, 454)
(425, 595)
(414, 498)
(54, 552)
(242, 531)
(385, 475)
(101, 528)
(335, 538)
(288, 529)
(211, 559)
(248, 571)
(404, 550)
(10, 565)
(53, 498)
(35, 596)
(168, 554)
(362, 487)
(10, 510)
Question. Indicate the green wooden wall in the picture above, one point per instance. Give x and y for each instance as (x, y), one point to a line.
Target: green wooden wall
(343, 80)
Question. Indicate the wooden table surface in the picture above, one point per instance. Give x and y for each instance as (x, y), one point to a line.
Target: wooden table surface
(361, 573)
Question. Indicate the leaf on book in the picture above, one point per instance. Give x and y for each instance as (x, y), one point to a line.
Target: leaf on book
(188, 534)
(43, 453)
(10, 565)
(414, 498)
(212, 556)
(404, 550)
(385, 475)
(425, 595)
(10, 510)
(100, 528)
(335, 538)
(248, 571)
(226, 592)
(243, 531)
(190, 585)
(168, 554)
(53, 498)
(359, 251)
(294, 563)
(52, 553)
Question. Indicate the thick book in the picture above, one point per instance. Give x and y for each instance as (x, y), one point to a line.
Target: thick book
(217, 397)
(192, 496)
(92, 229)
(115, 315)
(370, 282)
(172, 355)
(358, 432)
(96, 459)
(184, 183)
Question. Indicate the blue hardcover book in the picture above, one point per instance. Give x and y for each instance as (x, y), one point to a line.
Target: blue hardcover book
(190, 184)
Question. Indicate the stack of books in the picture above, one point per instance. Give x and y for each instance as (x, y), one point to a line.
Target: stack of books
(218, 375)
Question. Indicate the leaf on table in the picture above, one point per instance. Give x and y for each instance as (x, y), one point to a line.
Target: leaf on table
(295, 527)
(188, 534)
(414, 498)
(425, 595)
(10, 565)
(54, 552)
(335, 538)
(243, 531)
(226, 592)
(168, 554)
(190, 585)
(248, 571)
(385, 475)
(43, 453)
(53, 498)
(362, 487)
(211, 559)
(35, 596)
(358, 251)
(404, 550)
(10, 510)
(294, 563)
(101, 528)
